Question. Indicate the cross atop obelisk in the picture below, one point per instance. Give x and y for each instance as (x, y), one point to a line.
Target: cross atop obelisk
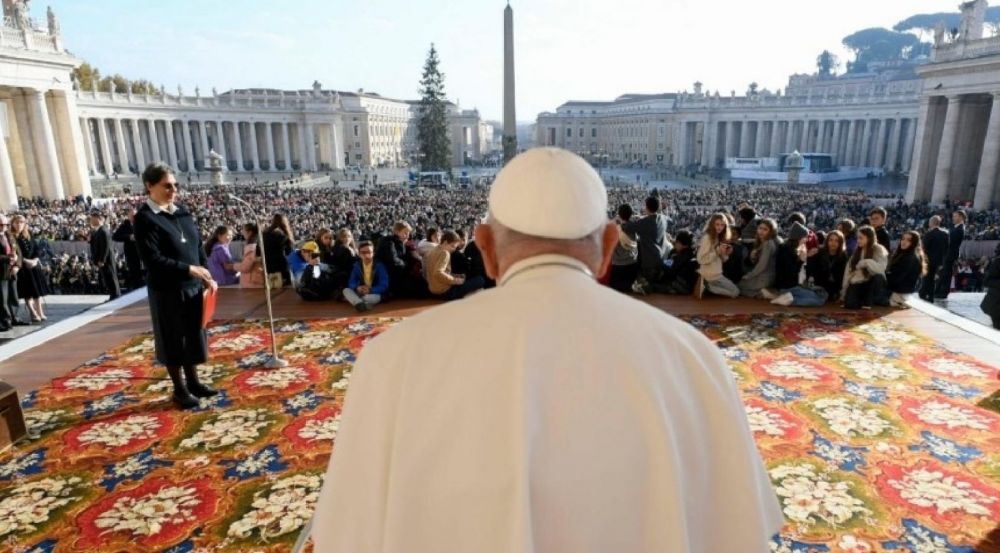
(509, 116)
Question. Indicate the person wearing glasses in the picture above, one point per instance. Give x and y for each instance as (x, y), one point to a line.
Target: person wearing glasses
(170, 246)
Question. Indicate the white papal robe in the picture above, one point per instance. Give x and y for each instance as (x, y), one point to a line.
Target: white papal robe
(549, 415)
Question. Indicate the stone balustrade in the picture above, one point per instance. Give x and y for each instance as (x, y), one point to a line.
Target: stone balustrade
(962, 49)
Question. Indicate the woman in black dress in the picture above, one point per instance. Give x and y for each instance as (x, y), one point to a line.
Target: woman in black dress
(168, 241)
(32, 283)
(278, 242)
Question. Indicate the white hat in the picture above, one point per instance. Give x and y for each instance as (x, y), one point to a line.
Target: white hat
(549, 193)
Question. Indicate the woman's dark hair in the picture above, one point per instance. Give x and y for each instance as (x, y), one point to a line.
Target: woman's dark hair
(625, 212)
(280, 223)
(252, 229)
(772, 233)
(220, 231)
(915, 249)
(155, 172)
(685, 238)
(652, 204)
(869, 251)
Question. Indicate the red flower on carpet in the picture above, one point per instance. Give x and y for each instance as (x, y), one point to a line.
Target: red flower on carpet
(97, 381)
(947, 496)
(121, 434)
(321, 427)
(287, 380)
(955, 368)
(949, 416)
(157, 514)
(769, 422)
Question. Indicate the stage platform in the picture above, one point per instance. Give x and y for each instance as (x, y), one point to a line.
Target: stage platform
(40, 364)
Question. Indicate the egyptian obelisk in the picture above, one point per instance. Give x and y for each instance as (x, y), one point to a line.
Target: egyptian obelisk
(509, 116)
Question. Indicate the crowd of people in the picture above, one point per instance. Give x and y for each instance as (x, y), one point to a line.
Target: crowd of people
(326, 227)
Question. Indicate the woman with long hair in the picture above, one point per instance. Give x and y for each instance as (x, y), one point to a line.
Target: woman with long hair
(344, 255)
(792, 254)
(250, 266)
(906, 267)
(324, 239)
(32, 284)
(220, 260)
(761, 258)
(826, 268)
(850, 232)
(865, 272)
(713, 250)
(278, 241)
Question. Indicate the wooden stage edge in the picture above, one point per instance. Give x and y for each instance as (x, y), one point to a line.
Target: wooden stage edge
(39, 365)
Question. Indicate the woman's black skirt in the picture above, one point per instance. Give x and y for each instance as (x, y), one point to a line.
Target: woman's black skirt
(177, 332)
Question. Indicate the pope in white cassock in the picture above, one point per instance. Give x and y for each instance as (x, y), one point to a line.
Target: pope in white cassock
(548, 415)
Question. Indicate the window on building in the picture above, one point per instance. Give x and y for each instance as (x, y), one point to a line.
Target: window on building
(593, 133)
(581, 132)
(569, 133)
(357, 130)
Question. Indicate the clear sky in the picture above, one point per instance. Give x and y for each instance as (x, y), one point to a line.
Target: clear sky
(565, 49)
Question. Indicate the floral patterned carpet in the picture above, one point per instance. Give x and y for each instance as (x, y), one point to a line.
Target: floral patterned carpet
(872, 435)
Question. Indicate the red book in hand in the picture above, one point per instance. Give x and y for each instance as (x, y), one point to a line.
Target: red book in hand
(208, 306)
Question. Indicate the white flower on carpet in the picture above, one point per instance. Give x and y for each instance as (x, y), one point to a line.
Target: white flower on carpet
(241, 426)
(956, 368)
(343, 383)
(808, 497)
(207, 374)
(199, 461)
(285, 508)
(145, 516)
(131, 466)
(792, 369)
(143, 347)
(849, 419)
(311, 341)
(239, 343)
(97, 381)
(886, 334)
(744, 335)
(320, 429)
(933, 489)
(768, 422)
(851, 544)
(279, 378)
(42, 421)
(15, 466)
(30, 505)
(952, 416)
(121, 432)
(872, 368)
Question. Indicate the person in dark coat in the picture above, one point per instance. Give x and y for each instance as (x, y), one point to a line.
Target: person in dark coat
(877, 218)
(8, 260)
(401, 263)
(935, 242)
(278, 241)
(652, 233)
(32, 284)
(955, 237)
(102, 255)
(126, 235)
(169, 244)
(826, 268)
(906, 266)
(991, 302)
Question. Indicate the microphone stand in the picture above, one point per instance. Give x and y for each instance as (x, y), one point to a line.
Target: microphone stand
(275, 362)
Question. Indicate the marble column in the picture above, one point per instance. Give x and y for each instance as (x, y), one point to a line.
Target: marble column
(154, 142)
(203, 130)
(866, 141)
(310, 147)
(272, 162)
(8, 191)
(729, 146)
(892, 148)
(102, 137)
(946, 153)
(287, 143)
(706, 145)
(254, 150)
(45, 142)
(220, 134)
(789, 137)
(745, 143)
(775, 146)
(759, 143)
(88, 146)
(987, 181)
(682, 145)
(338, 145)
(908, 144)
(171, 144)
(122, 150)
(69, 140)
(916, 186)
(188, 146)
(880, 146)
(238, 147)
(140, 157)
(851, 148)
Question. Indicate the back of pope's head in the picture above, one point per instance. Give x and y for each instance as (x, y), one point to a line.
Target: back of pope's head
(547, 200)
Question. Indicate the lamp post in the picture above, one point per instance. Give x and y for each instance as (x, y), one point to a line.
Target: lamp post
(275, 362)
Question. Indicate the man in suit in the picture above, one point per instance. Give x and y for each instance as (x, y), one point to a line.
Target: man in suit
(935, 243)
(652, 232)
(126, 235)
(956, 236)
(102, 255)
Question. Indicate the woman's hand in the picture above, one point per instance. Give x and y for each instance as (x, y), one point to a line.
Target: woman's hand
(200, 272)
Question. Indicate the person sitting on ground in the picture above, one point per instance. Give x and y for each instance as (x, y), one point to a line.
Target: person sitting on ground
(680, 271)
(850, 232)
(748, 224)
(625, 259)
(905, 269)
(220, 261)
(865, 274)
(369, 280)
(755, 283)
(459, 261)
(343, 254)
(790, 258)
(650, 230)
(432, 241)
(315, 282)
(713, 250)
(877, 218)
(298, 259)
(443, 284)
(734, 267)
(812, 240)
(826, 268)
